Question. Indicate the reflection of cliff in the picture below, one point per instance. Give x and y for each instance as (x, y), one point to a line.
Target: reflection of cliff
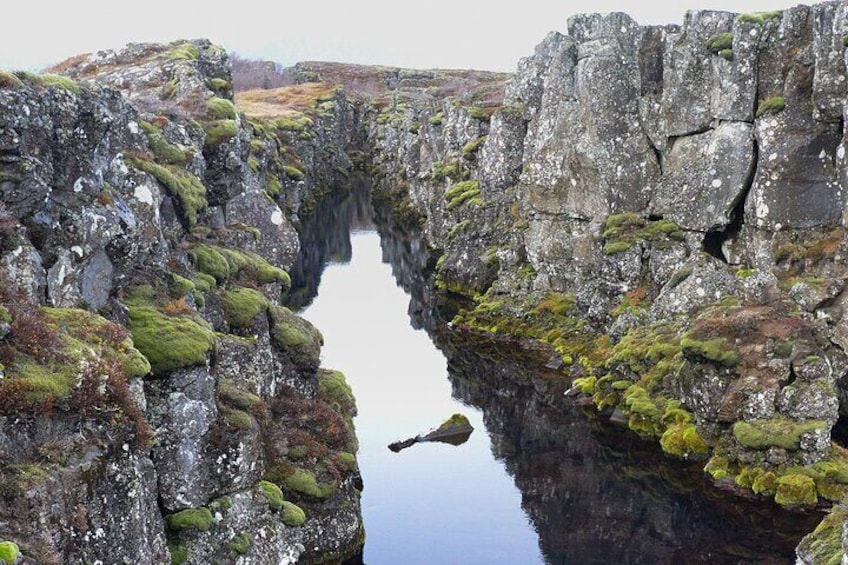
(593, 496)
(325, 238)
(599, 497)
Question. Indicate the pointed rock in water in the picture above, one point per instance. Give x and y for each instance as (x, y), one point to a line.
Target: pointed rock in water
(455, 430)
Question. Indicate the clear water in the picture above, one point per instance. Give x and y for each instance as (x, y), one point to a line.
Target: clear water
(433, 502)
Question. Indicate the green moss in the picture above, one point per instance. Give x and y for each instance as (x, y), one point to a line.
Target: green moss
(482, 114)
(717, 467)
(240, 544)
(304, 482)
(292, 515)
(795, 490)
(717, 350)
(190, 519)
(777, 432)
(183, 52)
(9, 80)
(179, 286)
(759, 18)
(346, 461)
(765, 484)
(242, 306)
(586, 385)
(230, 393)
(295, 336)
(470, 148)
(220, 109)
(333, 388)
(9, 552)
(295, 123)
(720, 41)
(5, 317)
(824, 544)
(169, 343)
(726, 54)
(615, 247)
(461, 192)
(273, 494)
(771, 105)
(273, 187)
(293, 172)
(179, 554)
(184, 186)
(204, 282)
(57, 81)
(219, 84)
(219, 131)
(211, 261)
(223, 264)
(163, 150)
(436, 119)
(236, 419)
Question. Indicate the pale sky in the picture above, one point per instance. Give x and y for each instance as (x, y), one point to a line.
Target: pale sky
(436, 33)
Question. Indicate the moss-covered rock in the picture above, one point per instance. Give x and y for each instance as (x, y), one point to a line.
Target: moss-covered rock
(333, 388)
(292, 514)
(684, 441)
(795, 489)
(296, 337)
(190, 518)
(187, 189)
(219, 131)
(241, 543)
(824, 545)
(776, 432)
(169, 343)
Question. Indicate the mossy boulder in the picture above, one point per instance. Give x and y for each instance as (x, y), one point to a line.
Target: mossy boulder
(333, 388)
(190, 519)
(292, 514)
(169, 343)
(9, 552)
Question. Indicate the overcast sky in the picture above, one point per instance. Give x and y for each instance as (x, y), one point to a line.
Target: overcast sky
(436, 33)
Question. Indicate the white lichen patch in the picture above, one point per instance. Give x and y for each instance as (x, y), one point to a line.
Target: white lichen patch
(143, 194)
(277, 217)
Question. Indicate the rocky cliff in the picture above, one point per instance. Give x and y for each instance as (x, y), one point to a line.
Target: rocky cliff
(661, 208)
(159, 402)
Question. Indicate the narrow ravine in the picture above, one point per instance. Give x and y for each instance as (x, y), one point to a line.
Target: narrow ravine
(433, 503)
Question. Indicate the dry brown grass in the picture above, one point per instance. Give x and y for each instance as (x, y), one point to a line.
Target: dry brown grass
(287, 100)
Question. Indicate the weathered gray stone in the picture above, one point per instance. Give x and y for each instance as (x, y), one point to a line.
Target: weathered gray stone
(705, 176)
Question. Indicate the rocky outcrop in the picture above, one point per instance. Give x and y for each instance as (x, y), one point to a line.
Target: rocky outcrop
(665, 207)
(188, 424)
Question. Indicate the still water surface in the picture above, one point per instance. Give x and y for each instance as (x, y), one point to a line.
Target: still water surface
(538, 481)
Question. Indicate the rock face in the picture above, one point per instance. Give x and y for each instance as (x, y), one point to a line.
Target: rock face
(189, 426)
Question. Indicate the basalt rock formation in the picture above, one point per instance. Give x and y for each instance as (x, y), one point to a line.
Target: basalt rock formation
(662, 207)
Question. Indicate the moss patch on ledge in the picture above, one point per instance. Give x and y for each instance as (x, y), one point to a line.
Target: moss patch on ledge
(623, 231)
(242, 306)
(296, 337)
(186, 188)
(776, 432)
(224, 264)
(191, 519)
(824, 544)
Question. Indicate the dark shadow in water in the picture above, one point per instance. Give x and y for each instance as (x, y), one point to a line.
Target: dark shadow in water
(594, 493)
(325, 237)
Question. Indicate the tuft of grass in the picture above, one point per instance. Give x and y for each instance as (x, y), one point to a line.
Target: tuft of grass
(190, 519)
(181, 184)
(771, 105)
(169, 343)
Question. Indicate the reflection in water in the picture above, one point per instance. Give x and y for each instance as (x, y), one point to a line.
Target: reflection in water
(593, 495)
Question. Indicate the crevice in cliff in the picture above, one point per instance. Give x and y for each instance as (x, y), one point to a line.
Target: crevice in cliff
(715, 240)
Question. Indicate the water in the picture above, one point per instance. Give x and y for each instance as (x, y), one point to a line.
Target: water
(538, 481)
